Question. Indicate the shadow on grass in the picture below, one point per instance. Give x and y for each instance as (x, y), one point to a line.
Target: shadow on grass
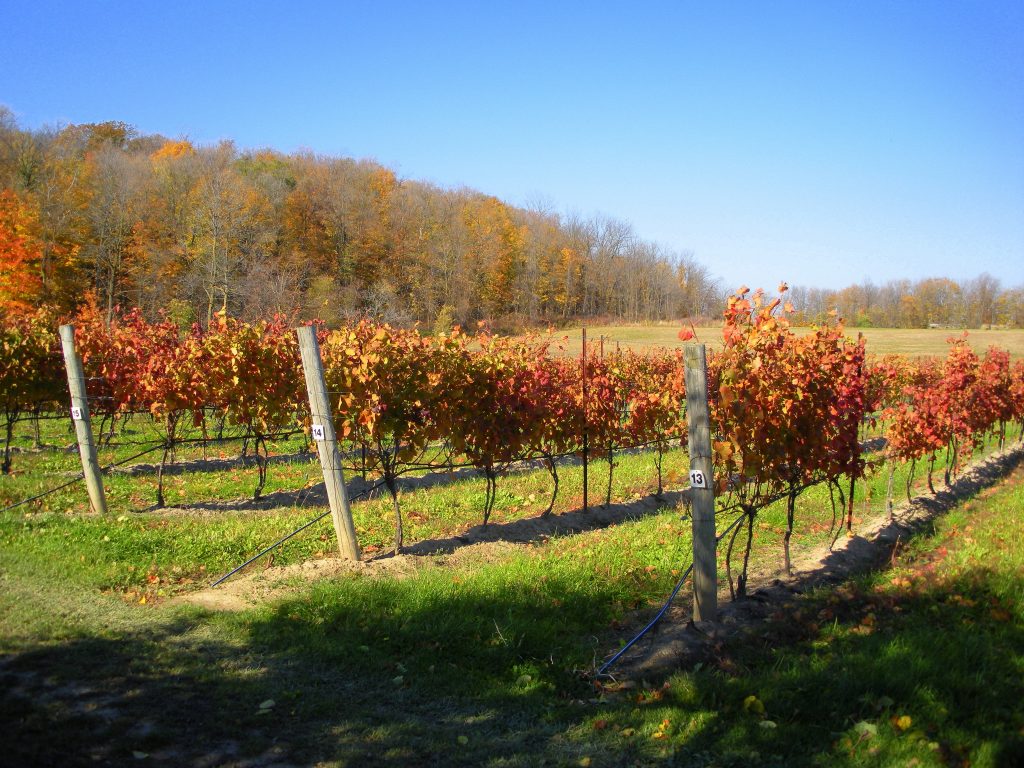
(481, 669)
(859, 554)
(113, 700)
(678, 644)
(366, 672)
(523, 530)
(948, 658)
(540, 528)
(373, 672)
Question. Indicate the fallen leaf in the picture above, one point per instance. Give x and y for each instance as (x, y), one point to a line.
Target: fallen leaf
(866, 729)
(753, 705)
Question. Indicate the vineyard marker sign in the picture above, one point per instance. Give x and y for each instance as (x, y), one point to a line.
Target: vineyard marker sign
(702, 495)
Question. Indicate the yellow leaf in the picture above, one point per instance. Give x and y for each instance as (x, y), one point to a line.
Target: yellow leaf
(753, 705)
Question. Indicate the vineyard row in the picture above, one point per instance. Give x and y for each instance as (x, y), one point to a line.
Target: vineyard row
(786, 410)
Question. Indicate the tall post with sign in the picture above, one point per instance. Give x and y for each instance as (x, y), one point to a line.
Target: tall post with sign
(702, 486)
(327, 443)
(80, 415)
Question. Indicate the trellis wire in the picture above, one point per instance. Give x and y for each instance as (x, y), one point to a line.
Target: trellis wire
(78, 478)
(283, 539)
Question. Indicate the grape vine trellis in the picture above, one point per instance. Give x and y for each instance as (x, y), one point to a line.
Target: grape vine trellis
(787, 410)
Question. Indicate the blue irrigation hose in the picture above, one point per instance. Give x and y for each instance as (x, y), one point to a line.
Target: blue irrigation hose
(671, 597)
(277, 543)
(645, 630)
(283, 539)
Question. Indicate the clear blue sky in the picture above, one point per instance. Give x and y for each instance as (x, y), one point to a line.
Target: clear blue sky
(819, 142)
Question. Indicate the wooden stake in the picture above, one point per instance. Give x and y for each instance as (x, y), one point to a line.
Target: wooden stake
(80, 415)
(586, 448)
(327, 443)
(702, 486)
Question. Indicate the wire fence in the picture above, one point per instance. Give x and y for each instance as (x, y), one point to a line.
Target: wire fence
(79, 478)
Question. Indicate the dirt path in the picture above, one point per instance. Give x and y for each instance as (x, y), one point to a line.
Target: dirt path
(477, 544)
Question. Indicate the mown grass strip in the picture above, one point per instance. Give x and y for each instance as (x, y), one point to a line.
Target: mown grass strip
(917, 665)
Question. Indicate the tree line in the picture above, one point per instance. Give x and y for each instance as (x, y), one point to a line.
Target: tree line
(158, 224)
(164, 225)
(981, 302)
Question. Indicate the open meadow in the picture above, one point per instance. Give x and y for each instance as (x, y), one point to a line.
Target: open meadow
(913, 342)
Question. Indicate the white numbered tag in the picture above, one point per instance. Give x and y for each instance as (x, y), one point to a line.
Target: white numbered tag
(318, 432)
(76, 413)
(697, 479)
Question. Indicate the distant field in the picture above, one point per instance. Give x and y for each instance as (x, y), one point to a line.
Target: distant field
(913, 342)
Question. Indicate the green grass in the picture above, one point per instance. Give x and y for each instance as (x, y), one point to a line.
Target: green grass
(474, 658)
(155, 554)
(918, 665)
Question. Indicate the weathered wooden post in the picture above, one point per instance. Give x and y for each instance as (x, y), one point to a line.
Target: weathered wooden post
(702, 486)
(80, 415)
(586, 449)
(327, 443)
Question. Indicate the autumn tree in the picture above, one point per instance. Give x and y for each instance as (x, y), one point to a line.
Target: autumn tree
(20, 255)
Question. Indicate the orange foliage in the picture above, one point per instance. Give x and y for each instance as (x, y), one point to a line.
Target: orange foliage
(20, 255)
(174, 150)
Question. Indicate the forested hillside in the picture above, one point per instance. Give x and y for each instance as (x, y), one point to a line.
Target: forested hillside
(160, 224)
(163, 224)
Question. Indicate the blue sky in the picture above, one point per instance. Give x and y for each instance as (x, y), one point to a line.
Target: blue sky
(819, 142)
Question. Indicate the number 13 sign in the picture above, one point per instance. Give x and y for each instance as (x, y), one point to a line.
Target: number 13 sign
(697, 479)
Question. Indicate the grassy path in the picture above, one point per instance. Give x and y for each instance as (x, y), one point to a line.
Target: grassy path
(473, 659)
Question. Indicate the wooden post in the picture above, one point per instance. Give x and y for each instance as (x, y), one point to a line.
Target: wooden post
(80, 415)
(327, 443)
(586, 449)
(702, 486)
